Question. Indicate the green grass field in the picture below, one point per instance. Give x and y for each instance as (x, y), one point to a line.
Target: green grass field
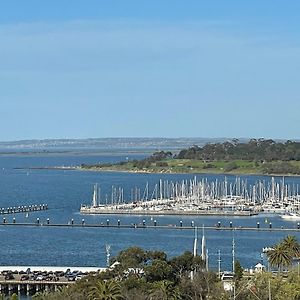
(195, 166)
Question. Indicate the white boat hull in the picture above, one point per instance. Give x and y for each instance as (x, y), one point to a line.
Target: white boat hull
(291, 217)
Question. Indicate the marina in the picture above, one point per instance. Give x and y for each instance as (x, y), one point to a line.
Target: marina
(32, 241)
(200, 197)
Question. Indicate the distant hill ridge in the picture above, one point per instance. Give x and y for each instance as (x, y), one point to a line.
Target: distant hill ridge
(102, 143)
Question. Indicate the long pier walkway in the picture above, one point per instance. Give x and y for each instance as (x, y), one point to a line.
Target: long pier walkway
(71, 224)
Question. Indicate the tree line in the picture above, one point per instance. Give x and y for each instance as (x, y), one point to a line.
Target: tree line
(145, 275)
(149, 275)
(255, 150)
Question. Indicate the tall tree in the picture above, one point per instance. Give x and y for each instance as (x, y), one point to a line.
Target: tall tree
(280, 256)
(165, 290)
(105, 290)
(290, 243)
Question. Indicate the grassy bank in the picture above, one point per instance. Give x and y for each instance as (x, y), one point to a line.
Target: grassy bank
(199, 166)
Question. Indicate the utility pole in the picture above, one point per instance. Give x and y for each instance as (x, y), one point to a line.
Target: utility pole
(233, 264)
(195, 250)
(233, 254)
(219, 263)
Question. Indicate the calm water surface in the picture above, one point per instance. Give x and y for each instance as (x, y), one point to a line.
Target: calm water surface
(65, 191)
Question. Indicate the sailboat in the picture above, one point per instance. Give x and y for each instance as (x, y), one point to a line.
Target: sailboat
(291, 216)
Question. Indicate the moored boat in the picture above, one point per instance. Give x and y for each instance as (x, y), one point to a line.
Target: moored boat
(291, 216)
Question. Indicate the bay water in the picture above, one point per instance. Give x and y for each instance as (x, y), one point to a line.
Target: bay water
(65, 190)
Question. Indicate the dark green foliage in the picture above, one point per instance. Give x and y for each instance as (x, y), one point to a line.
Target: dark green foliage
(158, 270)
(182, 265)
(140, 164)
(254, 150)
(282, 167)
(105, 290)
(133, 257)
(283, 253)
(160, 155)
(205, 285)
(161, 164)
(208, 166)
(230, 166)
(238, 270)
(155, 254)
(161, 279)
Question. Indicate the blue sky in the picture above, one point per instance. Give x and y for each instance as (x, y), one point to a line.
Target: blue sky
(90, 68)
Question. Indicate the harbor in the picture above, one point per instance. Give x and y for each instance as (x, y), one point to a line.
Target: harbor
(199, 197)
(62, 236)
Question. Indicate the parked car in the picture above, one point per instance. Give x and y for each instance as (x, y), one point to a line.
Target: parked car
(39, 277)
(24, 277)
(9, 276)
(71, 278)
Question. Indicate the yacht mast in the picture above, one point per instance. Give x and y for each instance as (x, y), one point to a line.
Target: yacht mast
(95, 196)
